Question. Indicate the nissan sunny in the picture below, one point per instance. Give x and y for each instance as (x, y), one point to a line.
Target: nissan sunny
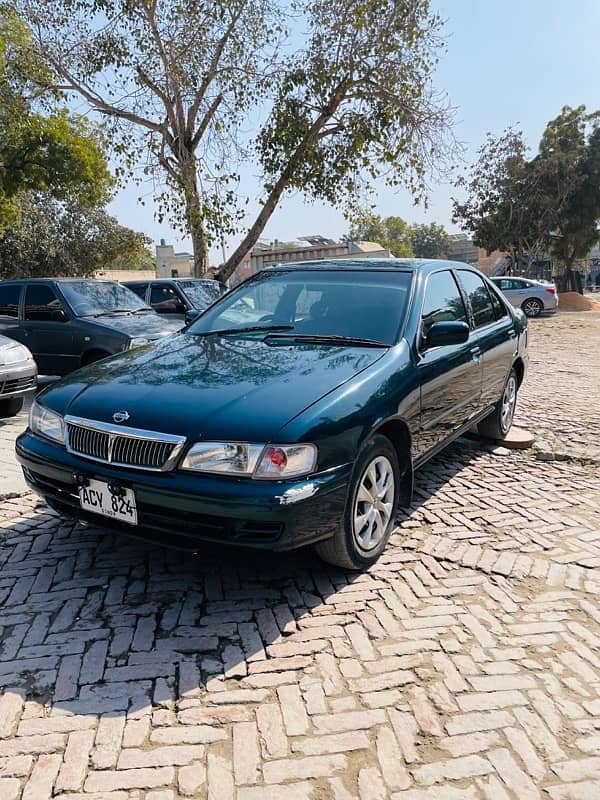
(294, 411)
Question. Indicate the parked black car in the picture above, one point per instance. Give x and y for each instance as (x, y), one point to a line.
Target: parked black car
(18, 376)
(293, 411)
(70, 322)
(176, 297)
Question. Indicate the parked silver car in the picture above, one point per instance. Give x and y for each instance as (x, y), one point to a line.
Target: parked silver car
(18, 376)
(531, 296)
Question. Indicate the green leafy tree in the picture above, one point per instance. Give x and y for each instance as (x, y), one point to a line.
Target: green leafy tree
(429, 241)
(345, 100)
(547, 204)
(568, 169)
(55, 151)
(55, 238)
(393, 233)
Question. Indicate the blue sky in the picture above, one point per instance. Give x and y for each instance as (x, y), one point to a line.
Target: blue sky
(508, 62)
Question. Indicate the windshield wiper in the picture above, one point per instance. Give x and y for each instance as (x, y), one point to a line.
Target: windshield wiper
(247, 329)
(114, 311)
(143, 310)
(314, 338)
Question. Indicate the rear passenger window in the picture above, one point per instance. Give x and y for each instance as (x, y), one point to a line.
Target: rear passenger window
(497, 304)
(479, 297)
(9, 301)
(443, 302)
(41, 303)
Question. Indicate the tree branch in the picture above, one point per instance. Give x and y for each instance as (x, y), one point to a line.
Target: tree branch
(210, 73)
(206, 120)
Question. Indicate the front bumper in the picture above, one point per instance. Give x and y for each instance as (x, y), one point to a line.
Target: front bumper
(180, 509)
(17, 380)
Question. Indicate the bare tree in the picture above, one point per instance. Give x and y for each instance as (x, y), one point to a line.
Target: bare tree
(346, 99)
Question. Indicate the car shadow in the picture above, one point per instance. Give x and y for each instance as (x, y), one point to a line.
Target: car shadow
(96, 623)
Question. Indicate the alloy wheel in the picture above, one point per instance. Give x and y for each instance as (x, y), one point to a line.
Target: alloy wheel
(374, 503)
(531, 308)
(509, 401)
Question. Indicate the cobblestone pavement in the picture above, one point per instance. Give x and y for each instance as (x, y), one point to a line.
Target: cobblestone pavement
(11, 477)
(464, 666)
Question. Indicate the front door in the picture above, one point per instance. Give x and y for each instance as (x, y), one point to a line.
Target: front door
(165, 299)
(50, 333)
(450, 376)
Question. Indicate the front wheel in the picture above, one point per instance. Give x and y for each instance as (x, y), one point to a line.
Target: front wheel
(532, 307)
(499, 422)
(10, 406)
(370, 508)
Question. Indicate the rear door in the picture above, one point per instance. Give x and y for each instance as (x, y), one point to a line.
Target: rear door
(450, 377)
(10, 295)
(510, 289)
(49, 329)
(493, 331)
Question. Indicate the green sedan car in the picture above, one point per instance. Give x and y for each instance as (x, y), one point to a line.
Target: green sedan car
(294, 411)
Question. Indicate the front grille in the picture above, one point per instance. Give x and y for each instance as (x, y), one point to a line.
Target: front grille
(124, 447)
(17, 385)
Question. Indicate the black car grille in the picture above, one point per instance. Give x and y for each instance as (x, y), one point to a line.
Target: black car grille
(142, 450)
(17, 385)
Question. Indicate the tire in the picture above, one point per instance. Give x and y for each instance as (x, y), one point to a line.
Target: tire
(532, 307)
(10, 406)
(93, 355)
(354, 547)
(499, 422)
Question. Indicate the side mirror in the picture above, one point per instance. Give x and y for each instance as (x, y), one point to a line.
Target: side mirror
(445, 333)
(58, 315)
(191, 316)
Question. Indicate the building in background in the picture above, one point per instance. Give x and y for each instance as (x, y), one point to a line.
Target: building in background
(170, 264)
(305, 248)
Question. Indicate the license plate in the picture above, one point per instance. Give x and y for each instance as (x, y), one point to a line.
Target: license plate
(97, 497)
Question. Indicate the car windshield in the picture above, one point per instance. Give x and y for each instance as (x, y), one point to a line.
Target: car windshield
(88, 298)
(201, 293)
(368, 304)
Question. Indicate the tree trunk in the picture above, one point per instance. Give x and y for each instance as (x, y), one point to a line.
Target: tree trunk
(195, 217)
(278, 189)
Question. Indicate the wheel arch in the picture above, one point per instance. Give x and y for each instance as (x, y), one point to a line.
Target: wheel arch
(93, 354)
(398, 432)
(535, 300)
(519, 368)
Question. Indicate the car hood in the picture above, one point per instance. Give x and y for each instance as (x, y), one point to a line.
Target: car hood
(135, 325)
(229, 387)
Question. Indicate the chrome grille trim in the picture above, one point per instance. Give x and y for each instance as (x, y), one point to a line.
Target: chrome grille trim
(17, 385)
(122, 446)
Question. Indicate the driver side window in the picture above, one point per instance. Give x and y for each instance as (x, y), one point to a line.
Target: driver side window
(442, 302)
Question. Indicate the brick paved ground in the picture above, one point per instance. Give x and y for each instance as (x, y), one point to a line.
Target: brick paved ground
(464, 666)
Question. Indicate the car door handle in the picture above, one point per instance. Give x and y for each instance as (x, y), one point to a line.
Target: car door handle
(476, 354)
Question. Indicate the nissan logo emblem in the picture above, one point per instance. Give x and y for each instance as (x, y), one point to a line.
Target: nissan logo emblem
(120, 416)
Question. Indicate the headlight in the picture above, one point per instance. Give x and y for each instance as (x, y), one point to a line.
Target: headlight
(47, 423)
(252, 460)
(138, 341)
(15, 355)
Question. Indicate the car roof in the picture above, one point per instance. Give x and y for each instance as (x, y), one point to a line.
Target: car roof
(514, 278)
(168, 280)
(58, 280)
(355, 264)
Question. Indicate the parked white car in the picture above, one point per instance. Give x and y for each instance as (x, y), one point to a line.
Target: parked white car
(533, 297)
(18, 376)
